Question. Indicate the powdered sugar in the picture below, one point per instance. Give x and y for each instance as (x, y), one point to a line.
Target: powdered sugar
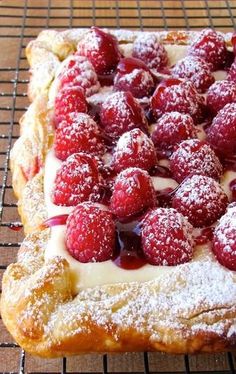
(134, 148)
(201, 199)
(195, 157)
(148, 49)
(196, 70)
(75, 71)
(167, 237)
(139, 82)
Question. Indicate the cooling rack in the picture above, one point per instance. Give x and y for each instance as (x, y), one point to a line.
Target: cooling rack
(21, 21)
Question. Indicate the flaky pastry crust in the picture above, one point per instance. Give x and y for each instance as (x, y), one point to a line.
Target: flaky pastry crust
(192, 309)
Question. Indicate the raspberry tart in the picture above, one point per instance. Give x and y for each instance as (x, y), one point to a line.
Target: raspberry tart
(125, 172)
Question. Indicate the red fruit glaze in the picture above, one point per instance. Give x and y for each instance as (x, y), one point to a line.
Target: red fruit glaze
(68, 100)
(134, 149)
(55, 221)
(222, 132)
(180, 96)
(224, 239)
(130, 256)
(220, 94)
(194, 157)
(172, 128)
(77, 71)
(148, 49)
(133, 193)
(201, 199)
(101, 49)
(78, 133)
(210, 46)
(15, 226)
(196, 70)
(231, 76)
(134, 76)
(121, 112)
(167, 237)
(76, 180)
(90, 233)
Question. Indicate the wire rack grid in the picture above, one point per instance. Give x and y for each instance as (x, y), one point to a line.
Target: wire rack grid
(21, 21)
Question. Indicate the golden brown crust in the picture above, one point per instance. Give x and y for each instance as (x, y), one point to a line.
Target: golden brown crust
(46, 319)
(192, 309)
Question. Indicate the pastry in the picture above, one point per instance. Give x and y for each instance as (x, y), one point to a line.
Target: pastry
(125, 177)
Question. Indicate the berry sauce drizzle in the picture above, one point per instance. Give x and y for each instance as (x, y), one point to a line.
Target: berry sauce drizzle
(15, 226)
(55, 221)
(129, 255)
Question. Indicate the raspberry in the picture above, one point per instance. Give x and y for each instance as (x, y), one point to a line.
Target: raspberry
(76, 180)
(180, 96)
(133, 193)
(134, 76)
(121, 112)
(90, 233)
(231, 76)
(194, 157)
(224, 239)
(196, 70)
(210, 46)
(201, 199)
(172, 128)
(220, 94)
(79, 133)
(101, 49)
(134, 148)
(222, 132)
(77, 71)
(167, 237)
(68, 100)
(148, 49)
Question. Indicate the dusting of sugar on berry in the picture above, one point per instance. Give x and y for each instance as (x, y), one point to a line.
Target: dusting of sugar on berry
(194, 157)
(224, 240)
(180, 96)
(172, 128)
(219, 94)
(196, 70)
(76, 180)
(147, 48)
(134, 149)
(210, 46)
(222, 132)
(201, 199)
(78, 133)
(68, 100)
(139, 82)
(121, 112)
(133, 193)
(78, 71)
(167, 237)
(90, 233)
(231, 76)
(101, 48)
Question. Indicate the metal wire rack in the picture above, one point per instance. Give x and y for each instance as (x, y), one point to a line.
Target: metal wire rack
(21, 21)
